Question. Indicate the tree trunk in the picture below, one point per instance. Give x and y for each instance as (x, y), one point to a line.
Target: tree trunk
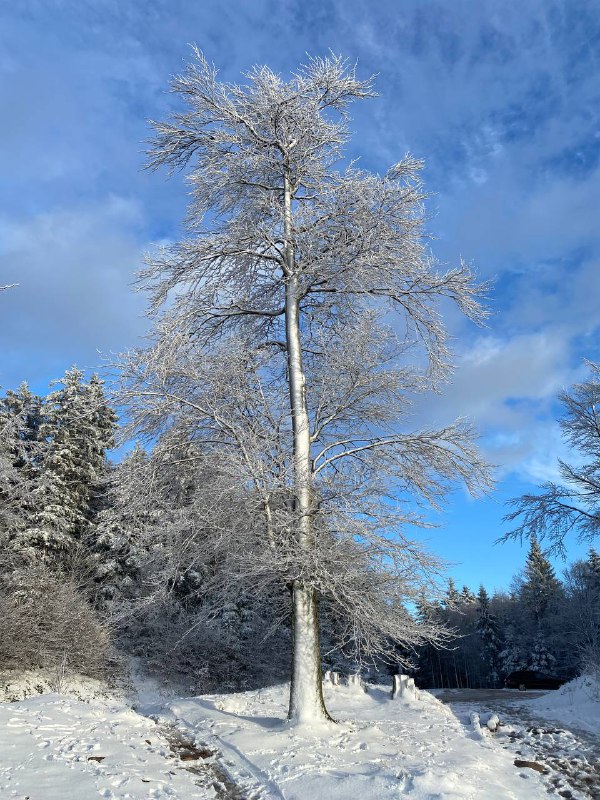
(306, 688)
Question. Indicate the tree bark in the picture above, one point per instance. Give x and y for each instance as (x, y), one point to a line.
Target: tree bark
(306, 688)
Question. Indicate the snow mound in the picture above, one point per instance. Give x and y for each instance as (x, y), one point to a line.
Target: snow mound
(20, 684)
(576, 703)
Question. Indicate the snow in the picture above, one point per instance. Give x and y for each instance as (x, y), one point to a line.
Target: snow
(380, 748)
(49, 745)
(21, 684)
(567, 759)
(577, 703)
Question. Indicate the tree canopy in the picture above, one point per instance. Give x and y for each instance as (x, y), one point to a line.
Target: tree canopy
(292, 325)
(571, 505)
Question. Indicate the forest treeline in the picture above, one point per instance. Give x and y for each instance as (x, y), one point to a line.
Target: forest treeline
(101, 559)
(541, 623)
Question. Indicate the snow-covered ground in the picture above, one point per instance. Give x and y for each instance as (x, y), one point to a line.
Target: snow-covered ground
(379, 749)
(57, 747)
(557, 731)
(577, 703)
(54, 747)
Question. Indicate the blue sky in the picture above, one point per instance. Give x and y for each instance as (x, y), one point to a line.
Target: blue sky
(501, 99)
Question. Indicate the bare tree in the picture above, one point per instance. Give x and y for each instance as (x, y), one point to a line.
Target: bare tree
(573, 504)
(284, 338)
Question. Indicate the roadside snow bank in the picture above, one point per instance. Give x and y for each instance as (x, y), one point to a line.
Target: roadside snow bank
(576, 703)
(20, 684)
(381, 748)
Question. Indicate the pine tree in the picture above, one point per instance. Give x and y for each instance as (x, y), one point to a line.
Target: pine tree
(589, 624)
(453, 596)
(467, 596)
(118, 538)
(488, 630)
(25, 408)
(541, 659)
(429, 662)
(594, 567)
(78, 427)
(20, 458)
(511, 657)
(540, 588)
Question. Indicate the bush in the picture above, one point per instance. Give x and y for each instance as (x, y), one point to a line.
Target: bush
(45, 622)
(199, 654)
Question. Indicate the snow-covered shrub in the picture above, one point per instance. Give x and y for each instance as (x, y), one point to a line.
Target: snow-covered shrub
(46, 622)
(591, 665)
(201, 653)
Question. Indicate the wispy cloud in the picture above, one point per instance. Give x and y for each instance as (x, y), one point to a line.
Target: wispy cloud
(502, 100)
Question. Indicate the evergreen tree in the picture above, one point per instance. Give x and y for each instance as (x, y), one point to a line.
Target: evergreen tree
(78, 427)
(20, 458)
(453, 596)
(116, 540)
(25, 408)
(118, 537)
(594, 568)
(467, 596)
(540, 589)
(584, 612)
(511, 657)
(541, 659)
(488, 630)
(9, 478)
(429, 661)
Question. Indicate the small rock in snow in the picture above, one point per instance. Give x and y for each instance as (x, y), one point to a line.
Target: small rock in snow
(530, 765)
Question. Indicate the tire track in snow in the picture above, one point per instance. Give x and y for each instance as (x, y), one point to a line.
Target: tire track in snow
(571, 757)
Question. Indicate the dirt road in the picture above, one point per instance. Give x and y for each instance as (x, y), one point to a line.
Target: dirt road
(570, 758)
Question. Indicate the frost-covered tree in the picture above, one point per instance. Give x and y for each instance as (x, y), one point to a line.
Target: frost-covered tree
(26, 409)
(594, 566)
(583, 613)
(453, 596)
(540, 657)
(539, 606)
(573, 504)
(77, 428)
(117, 537)
(539, 589)
(488, 630)
(21, 454)
(467, 597)
(511, 657)
(275, 353)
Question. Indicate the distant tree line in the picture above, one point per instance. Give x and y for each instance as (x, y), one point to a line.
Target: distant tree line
(542, 623)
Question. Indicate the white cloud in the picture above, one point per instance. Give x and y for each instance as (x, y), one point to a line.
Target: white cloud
(507, 387)
(501, 102)
(74, 269)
